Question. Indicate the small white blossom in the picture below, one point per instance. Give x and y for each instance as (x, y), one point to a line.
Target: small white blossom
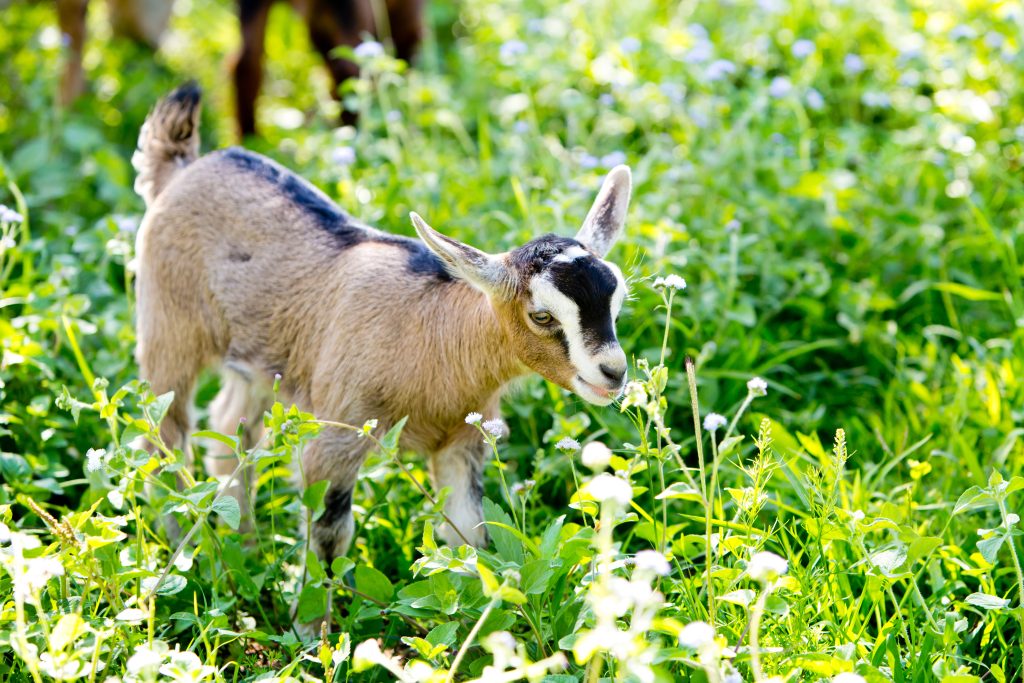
(1012, 518)
(343, 156)
(803, 48)
(369, 49)
(629, 45)
(780, 87)
(719, 69)
(853, 64)
(653, 561)
(697, 635)
(596, 456)
(495, 428)
(10, 215)
(766, 566)
(757, 386)
(147, 659)
(611, 489)
(613, 159)
(848, 677)
(713, 422)
(511, 49)
(367, 651)
(186, 667)
(670, 282)
(474, 418)
(568, 444)
(94, 459)
(814, 99)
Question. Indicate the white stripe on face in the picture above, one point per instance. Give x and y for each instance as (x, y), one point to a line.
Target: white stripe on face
(547, 296)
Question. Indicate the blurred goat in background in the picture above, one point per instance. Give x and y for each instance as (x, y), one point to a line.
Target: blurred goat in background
(332, 23)
(144, 21)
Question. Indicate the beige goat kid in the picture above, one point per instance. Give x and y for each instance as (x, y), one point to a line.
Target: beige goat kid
(244, 266)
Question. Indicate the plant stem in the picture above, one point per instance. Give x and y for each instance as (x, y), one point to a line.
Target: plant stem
(691, 377)
(471, 637)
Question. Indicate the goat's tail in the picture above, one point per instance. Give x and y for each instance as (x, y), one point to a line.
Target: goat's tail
(168, 141)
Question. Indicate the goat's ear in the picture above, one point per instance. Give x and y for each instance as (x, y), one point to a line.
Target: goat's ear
(479, 268)
(607, 216)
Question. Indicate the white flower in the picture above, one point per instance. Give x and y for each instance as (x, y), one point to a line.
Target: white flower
(94, 459)
(814, 100)
(613, 159)
(780, 87)
(511, 49)
(848, 677)
(10, 215)
(713, 422)
(670, 282)
(343, 156)
(495, 428)
(474, 418)
(596, 455)
(1012, 518)
(757, 386)
(146, 660)
(568, 444)
(629, 45)
(368, 49)
(803, 48)
(719, 69)
(766, 566)
(853, 64)
(653, 561)
(37, 572)
(186, 667)
(697, 635)
(367, 651)
(611, 489)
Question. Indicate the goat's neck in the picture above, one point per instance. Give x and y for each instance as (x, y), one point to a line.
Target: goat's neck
(480, 343)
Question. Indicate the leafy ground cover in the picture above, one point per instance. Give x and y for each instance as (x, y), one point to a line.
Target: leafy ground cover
(837, 183)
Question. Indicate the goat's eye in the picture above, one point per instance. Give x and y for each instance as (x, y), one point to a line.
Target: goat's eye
(542, 317)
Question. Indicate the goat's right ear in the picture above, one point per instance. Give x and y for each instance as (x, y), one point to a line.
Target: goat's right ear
(484, 271)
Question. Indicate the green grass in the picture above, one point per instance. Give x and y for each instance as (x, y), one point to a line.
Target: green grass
(862, 254)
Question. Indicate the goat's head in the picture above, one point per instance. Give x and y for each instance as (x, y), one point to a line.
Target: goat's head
(556, 297)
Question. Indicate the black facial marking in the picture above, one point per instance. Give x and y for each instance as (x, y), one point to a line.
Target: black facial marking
(347, 232)
(590, 284)
(537, 254)
(239, 256)
(337, 505)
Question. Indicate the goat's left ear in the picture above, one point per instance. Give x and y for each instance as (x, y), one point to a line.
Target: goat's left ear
(607, 216)
(484, 271)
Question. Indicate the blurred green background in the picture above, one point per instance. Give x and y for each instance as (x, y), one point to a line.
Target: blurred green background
(838, 182)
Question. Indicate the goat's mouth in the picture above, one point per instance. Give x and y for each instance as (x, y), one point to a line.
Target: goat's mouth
(592, 393)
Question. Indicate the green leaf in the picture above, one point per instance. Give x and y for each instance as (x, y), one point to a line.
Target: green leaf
(506, 544)
(967, 292)
(229, 441)
(989, 547)
(729, 445)
(681, 491)
(972, 496)
(227, 508)
(534, 577)
(487, 579)
(888, 561)
(159, 407)
(312, 604)
(373, 583)
(444, 634)
(987, 601)
(390, 440)
(549, 540)
(313, 498)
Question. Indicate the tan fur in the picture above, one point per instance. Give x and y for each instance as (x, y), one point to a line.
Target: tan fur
(232, 271)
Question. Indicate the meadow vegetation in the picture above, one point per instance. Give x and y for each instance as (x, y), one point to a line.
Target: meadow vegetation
(826, 220)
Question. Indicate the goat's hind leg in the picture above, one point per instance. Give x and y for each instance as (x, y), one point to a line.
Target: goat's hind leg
(459, 466)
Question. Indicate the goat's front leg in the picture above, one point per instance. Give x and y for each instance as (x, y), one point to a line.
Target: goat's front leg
(336, 456)
(459, 466)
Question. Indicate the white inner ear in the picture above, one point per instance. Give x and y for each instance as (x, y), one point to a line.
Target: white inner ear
(607, 216)
(548, 297)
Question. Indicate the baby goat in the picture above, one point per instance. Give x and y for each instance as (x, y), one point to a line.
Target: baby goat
(244, 264)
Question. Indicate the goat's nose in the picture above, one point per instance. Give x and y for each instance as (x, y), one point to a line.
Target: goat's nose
(614, 373)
